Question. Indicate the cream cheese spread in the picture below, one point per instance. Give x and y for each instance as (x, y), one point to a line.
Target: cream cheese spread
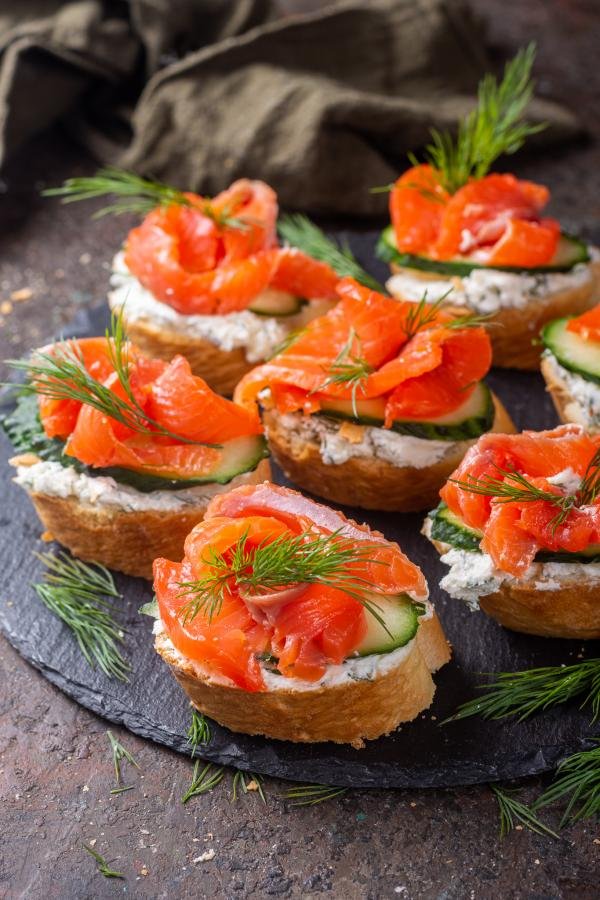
(376, 443)
(55, 480)
(488, 290)
(360, 668)
(473, 575)
(257, 335)
(584, 403)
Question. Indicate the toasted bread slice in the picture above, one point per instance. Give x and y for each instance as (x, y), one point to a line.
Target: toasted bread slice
(567, 406)
(513, 330)
(368, 483)
(568, 611)
(122, 539)
(348, 712)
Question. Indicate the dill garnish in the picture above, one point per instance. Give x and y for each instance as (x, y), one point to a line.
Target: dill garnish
(198, 732)
(119, 752)
(102, 865)
(247, 782)
(513, 811)
(578, 776)
(78, 594)
(298, 231)
(203, 781)
(493, 128)
(348, 369)
(311, 794)
(135, 195)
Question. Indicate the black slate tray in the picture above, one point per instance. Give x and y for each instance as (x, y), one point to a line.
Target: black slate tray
(420, 754)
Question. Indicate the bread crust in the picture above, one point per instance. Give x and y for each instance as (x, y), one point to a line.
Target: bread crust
(128, 541)
(349, 713)
(567, 407)
(221, 369)
(513, 329)
(573, 611)
(367, 483)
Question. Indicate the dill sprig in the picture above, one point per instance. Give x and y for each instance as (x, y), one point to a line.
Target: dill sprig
(78, 594)
(289, 559)
(311, 794)
(298, 231)
(119, 753)
(513, 811)
(422, 314)
(102, 864)
(247, 782)
(199, 731)
(493, 128)
(577, 777)
(134, 195)
(288, 341)
(589, 488)
(348, 369)
(61, 375)
(524, 693)
(203, 781)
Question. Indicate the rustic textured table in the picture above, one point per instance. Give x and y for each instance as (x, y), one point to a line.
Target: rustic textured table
(55, 767)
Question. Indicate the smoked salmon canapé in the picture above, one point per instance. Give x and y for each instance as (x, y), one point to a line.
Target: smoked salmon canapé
(121, 454)
(519, 527)
(287, 619)
(571, 367)
(455, 224)
(206, 277)
(375, 403)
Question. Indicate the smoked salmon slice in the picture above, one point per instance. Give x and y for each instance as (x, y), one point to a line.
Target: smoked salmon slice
(300, 629)
(554, 464)
(587, 325)
(420, 375)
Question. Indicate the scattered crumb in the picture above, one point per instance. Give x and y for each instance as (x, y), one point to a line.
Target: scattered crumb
(92, 843)
(596, 841)
(536, 862)
(252, 785)
(85, 259)
(85, 789)
(518, 828)
(413, 804)
(22, 294)
(209, 836)
(6, 307)
(144, 831)
(47, 536)
(144, 871)
(205, 857)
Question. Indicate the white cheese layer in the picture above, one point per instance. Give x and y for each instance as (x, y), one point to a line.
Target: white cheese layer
(473, 575)
(584, 405)
(257, 335)
(488, 290)
(55, 480)
(375, 443)
(360, 668)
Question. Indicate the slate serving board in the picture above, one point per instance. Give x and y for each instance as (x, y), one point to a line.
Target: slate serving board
(420, 754)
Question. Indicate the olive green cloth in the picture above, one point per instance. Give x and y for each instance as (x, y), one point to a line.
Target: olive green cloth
(198, 92)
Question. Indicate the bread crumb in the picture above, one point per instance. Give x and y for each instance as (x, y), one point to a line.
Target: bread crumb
(47, 536)
(252, 785)
(6, 308)
(144, 871)
(205, 857)
(85, 259)
(22, 294)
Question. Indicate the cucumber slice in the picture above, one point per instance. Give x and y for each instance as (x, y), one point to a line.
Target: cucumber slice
(448, 528)
(24, 429)
(276, 303)
(472, 418)
(401, 617)
(569, 253)
(572, 352)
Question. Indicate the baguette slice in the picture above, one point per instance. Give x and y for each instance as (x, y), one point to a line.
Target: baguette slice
(346, 713)
(128, 541)
(573, 611)
(367, 483)
(512, 330)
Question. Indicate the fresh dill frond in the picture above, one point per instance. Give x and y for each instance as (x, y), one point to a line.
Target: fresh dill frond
(102, 864)
(577, 777)
(288, 341)
(513, 811)
(311, 794)
(134, 194)
(590, 484)
(203, 781)
(469, 320)
(289, 559)
(496, 126)
(119, 752)
(78, 593)
(298, 231)
(122, 790)
(422, 314)
(349, 369)
(199, 731)
(521, 694)
(61, 375)
(247, 782)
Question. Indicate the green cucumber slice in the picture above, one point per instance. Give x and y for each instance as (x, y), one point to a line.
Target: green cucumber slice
(569, 253)
(448, 528)
(276, 303)
(472, 418)
(401, 617)
(571, 351)
(24, 429)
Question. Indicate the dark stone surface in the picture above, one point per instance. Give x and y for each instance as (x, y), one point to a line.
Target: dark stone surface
(55, 768)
